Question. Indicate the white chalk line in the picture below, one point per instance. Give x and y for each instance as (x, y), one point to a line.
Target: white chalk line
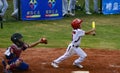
(103, 55)
(116, 66)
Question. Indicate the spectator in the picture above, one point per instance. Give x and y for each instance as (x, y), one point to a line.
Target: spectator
(71, 7)
(87, 8)
(65, 7)
(3, 7)
(68, 9)
(15, 12)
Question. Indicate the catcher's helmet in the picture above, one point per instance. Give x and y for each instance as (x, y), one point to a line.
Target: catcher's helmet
(76, 23)
(16, 39)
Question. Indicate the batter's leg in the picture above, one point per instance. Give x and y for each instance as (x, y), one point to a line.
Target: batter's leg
(82, 55)
(67, 54)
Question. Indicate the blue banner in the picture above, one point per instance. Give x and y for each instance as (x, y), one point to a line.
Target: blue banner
(111, 6)
(40, 9)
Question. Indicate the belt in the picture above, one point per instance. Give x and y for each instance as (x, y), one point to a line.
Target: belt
(76, 46)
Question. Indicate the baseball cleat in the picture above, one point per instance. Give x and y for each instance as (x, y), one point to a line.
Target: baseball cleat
(55, 65)
(77, 65)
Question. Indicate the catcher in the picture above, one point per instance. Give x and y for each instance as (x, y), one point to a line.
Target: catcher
(11, 57)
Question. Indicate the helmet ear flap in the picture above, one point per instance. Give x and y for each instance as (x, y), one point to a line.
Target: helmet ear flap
(76, 23)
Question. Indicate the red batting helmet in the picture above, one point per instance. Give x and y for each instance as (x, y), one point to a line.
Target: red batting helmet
(76, 23)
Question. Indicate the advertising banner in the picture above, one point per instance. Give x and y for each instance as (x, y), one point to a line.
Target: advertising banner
(40, 9)
(111, 6)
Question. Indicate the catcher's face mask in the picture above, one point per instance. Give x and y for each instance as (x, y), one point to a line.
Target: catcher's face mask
(19, 42)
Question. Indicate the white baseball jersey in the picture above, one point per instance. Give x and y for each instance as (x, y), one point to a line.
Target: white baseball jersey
(76, 36)
(73, 47)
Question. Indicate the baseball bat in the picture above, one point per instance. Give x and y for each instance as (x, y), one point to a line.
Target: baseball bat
(93, 26)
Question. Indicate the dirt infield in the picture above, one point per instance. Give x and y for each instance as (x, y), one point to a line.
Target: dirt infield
(98, 61)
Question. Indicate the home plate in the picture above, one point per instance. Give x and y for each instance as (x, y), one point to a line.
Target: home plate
(80, 71)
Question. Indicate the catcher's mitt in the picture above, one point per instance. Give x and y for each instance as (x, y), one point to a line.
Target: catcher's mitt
(43, 40)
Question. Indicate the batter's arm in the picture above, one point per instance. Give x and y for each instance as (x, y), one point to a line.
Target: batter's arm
(89, 32)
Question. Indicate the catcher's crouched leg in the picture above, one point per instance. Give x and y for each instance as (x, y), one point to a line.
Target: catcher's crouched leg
(23, 66)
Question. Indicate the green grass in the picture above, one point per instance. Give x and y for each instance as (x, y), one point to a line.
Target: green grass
(58, 32)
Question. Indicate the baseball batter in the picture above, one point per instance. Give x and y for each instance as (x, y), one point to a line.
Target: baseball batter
(73, 47)
(68, 7)
(11, 58)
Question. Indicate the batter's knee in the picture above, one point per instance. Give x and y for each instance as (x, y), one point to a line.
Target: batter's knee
(84, 56)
